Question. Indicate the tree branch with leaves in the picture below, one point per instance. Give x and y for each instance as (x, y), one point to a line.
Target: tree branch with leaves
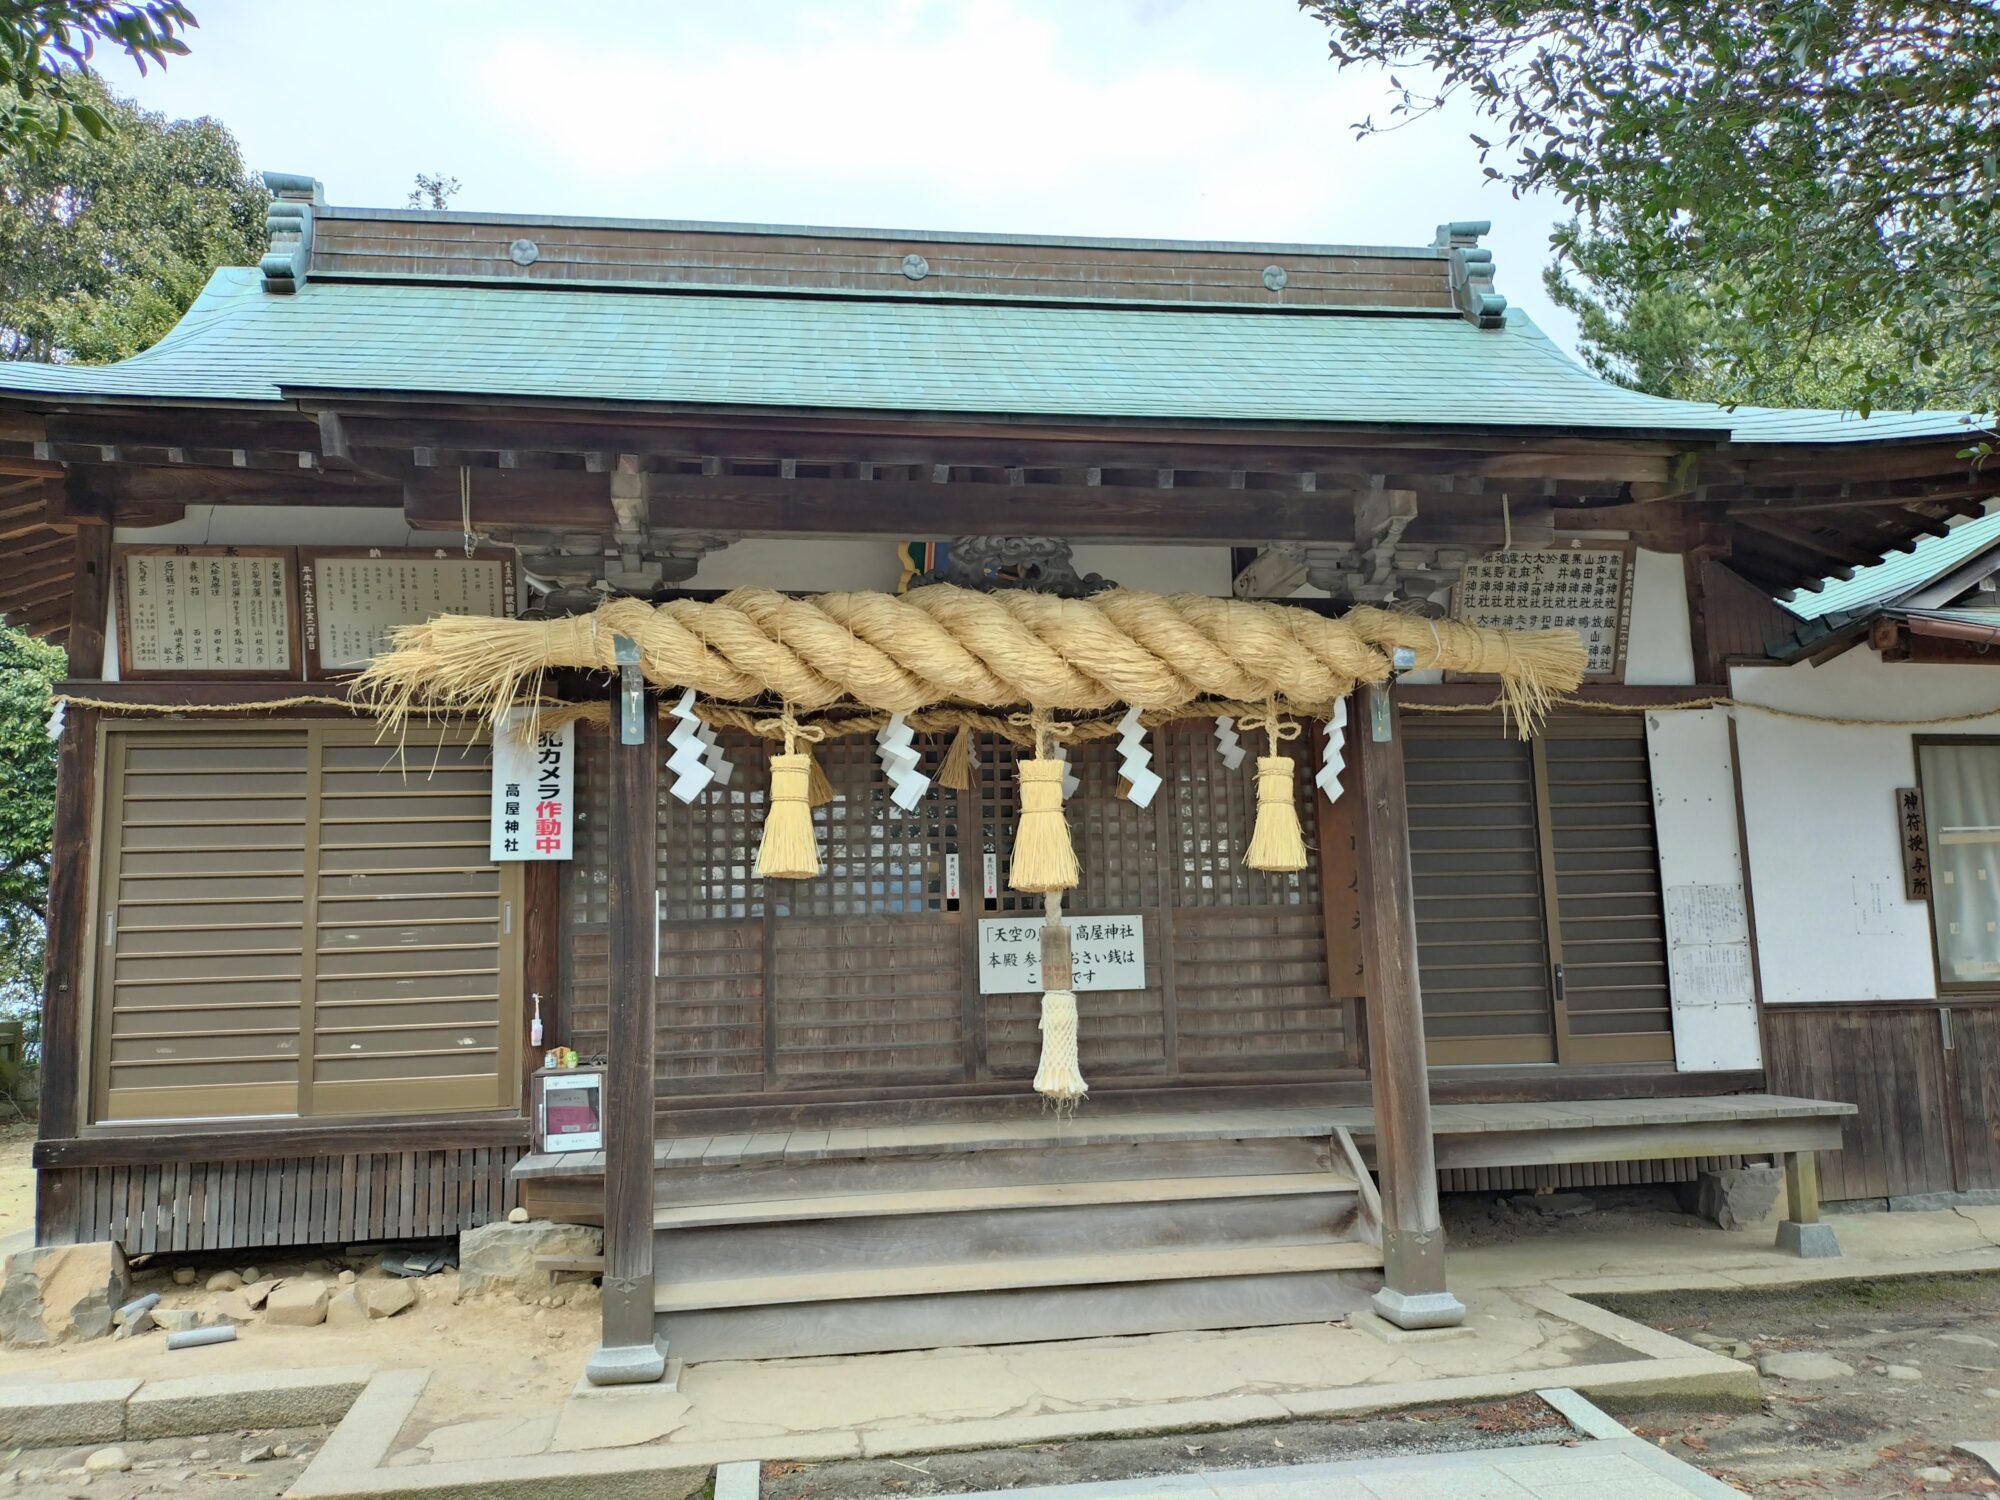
(46, 47)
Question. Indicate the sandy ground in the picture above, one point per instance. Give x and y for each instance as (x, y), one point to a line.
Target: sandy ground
(17, 1178)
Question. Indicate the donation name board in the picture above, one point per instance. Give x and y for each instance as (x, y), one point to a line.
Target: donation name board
(1106, 953)
(1586, 588)
(203, 611)
(534, 784)
(353, 601)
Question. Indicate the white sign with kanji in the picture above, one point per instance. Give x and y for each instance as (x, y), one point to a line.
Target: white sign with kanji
(534, 790)
(1106, 953)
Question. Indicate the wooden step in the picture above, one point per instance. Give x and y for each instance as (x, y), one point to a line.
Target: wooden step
(978, 1199)
(877, 1312)
(993, 1226)
(1117, 1268)
(1021, 1166)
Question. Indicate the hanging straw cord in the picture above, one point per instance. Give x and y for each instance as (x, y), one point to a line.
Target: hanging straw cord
(942, 645)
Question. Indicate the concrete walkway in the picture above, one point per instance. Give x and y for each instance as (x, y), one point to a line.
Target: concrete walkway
(1626, 1468)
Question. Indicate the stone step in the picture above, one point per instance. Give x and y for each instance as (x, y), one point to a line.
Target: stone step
(994, 1227)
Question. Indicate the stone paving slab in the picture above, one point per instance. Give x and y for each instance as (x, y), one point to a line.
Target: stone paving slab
(1625, 1467)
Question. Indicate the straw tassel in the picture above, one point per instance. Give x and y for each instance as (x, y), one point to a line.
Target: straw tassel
(1044, 860)
(789, 849)
(819, 791)
(955, 771)
(1277, 844)
(1059, 1076)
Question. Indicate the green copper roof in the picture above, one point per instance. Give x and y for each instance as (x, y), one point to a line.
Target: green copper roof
(1900, 573)
(240, 343)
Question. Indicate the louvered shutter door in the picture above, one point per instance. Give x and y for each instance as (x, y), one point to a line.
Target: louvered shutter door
(1607, 878)
(273, 894)
(414, 948)
(1482, 933)
(200, 959)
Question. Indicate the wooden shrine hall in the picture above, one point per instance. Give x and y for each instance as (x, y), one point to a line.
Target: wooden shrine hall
(943, 788)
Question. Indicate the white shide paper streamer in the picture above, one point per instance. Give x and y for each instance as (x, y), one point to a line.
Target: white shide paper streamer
(1135, 763)
(899, 763)
(1227, 745)
(689, 762)
(1328, 779)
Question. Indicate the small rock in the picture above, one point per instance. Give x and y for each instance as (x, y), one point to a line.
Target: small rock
(1805, 1365)
(517, 1215)
(1936, 1474)
(296, 1304)
(250, 1275)
(1968, 1338)
(184, 1276)
(346, 1278)
(344, 1310)
(254, 1292)
(107, 1461)
(384, 1299)
(281, 1450)
(224, 1281)
(555, 1333)
(1902, 1372)
(1990, 1392)
(258, 1455)
(200, 1455)
(140, 1322)
(177, 1319)
(234, 1307)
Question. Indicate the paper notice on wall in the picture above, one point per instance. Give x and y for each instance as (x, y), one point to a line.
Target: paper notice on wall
(1106, 953)
(1708, 946)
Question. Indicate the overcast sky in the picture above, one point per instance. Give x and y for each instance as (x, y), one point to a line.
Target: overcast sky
(1210, 119)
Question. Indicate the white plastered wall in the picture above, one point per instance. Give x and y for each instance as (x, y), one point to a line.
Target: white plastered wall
(1659, 652)
(1819, 806)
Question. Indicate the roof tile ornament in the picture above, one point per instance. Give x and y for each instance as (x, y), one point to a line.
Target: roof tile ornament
(289, 220)
(1471, 271)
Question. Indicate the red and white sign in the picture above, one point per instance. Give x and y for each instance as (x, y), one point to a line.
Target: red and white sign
(534, 791)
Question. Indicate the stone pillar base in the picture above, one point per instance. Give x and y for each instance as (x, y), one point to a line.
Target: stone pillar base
(627, 1364)
(1807, 1241)
(1419, 1309)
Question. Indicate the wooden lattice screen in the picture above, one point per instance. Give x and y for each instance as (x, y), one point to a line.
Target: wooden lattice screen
(868, 975)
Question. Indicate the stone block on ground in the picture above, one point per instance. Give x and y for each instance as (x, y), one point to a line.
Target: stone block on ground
(254, 1292)
(223, 1281)
(177, 1319)
(1738, 1197)
(384, 1299)
(296, 1304)
(41, 1414)
(344, 1310)
(61, 1292)
(251, 1399)
(234, 1307)
(501, 1257)
(1804, 1365)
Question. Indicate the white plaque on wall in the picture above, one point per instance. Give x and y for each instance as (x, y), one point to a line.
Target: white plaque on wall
(206, 612)
(1106, 953)
(534, 791)
(1585, 587)
(353, 600)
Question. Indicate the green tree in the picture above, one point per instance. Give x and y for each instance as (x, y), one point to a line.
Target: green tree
(46, 47)
(28, 668)
(104, 241)
(1675, 341)
(1826, 171)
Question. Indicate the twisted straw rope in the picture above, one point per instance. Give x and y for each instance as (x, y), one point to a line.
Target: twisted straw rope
(945, 645)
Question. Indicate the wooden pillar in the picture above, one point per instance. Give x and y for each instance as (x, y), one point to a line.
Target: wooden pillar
(1414, 1294)
(629, 1353)
(64, 1070)
(1801, 1231)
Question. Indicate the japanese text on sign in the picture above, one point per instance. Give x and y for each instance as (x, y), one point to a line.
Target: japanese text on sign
(352, 605)
(1106, 953)
(1580, 589)
(1916, 844)
(534, 803)
(206, 610)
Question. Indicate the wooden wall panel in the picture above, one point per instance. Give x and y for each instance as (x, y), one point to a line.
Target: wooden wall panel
(1974, 1093)
(1890, 1063)
(1253, 990)
(323, 1200)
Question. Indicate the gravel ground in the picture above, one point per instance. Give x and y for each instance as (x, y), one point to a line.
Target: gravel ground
(1520, 1422)
(1923, 1362)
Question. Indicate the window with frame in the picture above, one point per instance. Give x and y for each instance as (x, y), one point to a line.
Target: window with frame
(1961, 792)
(297, 920)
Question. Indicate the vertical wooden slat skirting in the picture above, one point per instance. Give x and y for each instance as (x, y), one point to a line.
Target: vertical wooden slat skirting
(319, 1200)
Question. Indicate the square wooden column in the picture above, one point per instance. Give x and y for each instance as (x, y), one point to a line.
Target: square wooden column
(629, 1353)
(1414, 1294)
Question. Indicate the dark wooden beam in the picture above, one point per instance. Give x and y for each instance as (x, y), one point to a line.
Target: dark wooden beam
(629, 1353)
(1414, 1292)
(120, 491)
